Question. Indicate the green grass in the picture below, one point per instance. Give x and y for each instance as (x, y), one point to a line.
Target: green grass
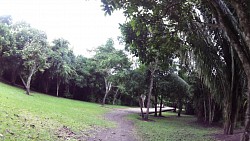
(43, 117)
(172, 128)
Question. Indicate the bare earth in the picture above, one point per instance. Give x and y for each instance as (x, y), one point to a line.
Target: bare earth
(124, 130)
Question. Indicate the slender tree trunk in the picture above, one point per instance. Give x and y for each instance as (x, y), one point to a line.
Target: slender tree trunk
(232, 104)
(108, 86)
(210, 109)
(116, 92)
(58, 86)
(143, 97)
(246, 134)
(153, 67)
(179, 106)
(205, 111)
(175, 106)
(150, 92)
(160, 113)
(27, 84)
(140, 103)
(156, 105)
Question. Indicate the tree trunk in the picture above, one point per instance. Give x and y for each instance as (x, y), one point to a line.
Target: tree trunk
(116, 92)
(160, 113)
(211, 108)
(150, 92)
(27, 83)
(140, 103)
(58, 86)
(143, 97)
(232, 104)
(246, 134)
(175, 106)
(155, 105)
(205, 111)
(179, 106)
(108, 86)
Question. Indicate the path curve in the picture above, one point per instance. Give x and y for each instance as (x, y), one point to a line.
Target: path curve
(124, 131)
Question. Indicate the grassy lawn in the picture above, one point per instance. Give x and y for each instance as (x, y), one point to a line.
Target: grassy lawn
(172, 128)
(43, 117)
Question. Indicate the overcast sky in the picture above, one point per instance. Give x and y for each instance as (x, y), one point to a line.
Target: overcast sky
(81, 22)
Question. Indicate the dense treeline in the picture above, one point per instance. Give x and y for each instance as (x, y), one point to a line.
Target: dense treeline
(28, 60)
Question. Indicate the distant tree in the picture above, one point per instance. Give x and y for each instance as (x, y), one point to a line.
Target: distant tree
(61, 62)
(119, 80)
(34, 55)
(6, 38)
(110, 61)
(137, 85)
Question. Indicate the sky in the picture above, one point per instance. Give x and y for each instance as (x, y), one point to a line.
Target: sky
(81, 22)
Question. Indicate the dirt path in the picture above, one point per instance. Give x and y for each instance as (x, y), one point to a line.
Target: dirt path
(124, 130)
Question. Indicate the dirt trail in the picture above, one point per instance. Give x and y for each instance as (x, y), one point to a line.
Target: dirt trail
(124, 130)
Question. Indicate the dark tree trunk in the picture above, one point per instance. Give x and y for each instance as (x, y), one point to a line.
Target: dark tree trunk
(175, 106)
(246, 134)
(156, 105)
(140, 103)
(160, 113)
(179, 106)
(115, 96)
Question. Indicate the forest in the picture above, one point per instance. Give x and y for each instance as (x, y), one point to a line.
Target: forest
(192, 55)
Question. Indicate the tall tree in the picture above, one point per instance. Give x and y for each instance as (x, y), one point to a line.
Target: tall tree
(61, 62)
(34, 55)
(110, 61)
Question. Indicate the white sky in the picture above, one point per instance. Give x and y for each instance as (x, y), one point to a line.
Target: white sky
(81, 22)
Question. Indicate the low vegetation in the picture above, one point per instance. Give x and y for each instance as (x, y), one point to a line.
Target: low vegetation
(172, 128)
(42, 117)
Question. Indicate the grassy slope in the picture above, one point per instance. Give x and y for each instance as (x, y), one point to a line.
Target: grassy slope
(42, 117)
(172, 128)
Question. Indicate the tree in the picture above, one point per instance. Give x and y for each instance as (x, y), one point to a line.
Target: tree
(11, 57)
(137, 85)
(110, 61)
(6, 37)
(61, 60)
(34, 55)
(119, 80)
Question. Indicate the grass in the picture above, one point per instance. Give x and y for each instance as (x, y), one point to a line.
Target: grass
(172, 128)
(43, 117)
